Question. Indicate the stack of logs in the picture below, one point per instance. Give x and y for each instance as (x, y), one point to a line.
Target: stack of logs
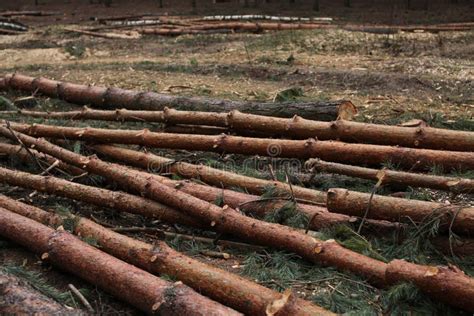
(127, 267)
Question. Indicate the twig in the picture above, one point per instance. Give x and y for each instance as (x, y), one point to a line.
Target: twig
(381, 176)
(81, 297)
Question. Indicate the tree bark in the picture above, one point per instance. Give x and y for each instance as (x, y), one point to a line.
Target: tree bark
(19, 152)
(447, 284)
(459, 218)
(19, 298)
(241, 26)
(220, 285)
(101, 197)
(223, 219)
(209, 175)
(101, 97)
(311, 148)
(455, 185)
(136, 287)
(296, 127)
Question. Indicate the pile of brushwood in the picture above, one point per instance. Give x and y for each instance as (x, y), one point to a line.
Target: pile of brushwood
(321, 214)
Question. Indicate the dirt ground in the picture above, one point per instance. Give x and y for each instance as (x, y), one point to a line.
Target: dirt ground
(390, 78)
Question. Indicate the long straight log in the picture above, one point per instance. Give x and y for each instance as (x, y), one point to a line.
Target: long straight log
(101, 97)
(19, 298)
(248, 26)
(450, 184)
(220, 285)
(459, 218)
(204, 173)
(223, 219)
(296, 127)
(249, 204)
(101, 197)
(228, 220)
(19, 152)
(311, 148)
(136, 287)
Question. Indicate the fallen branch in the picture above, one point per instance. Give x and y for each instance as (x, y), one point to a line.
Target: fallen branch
(159, 258)
(137, 287)
(101, 97)
(81, 297)
(456, 185)
(311, 148)
(28, 13)
(18, 298)
(397, 209)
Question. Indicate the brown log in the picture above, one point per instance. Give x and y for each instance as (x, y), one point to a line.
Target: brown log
(456, 185)
(220, 285)
(247, 26)
(101, 97)
(213, 176)
(136, 287)
(447, 284)
(19, 298)
(101, 197)
(19, 152)
(133, 35)
(247, 203)
(29, 13)
(348, 131)
(311, 148)
(296, 127)
(223, 219)
(459, 218)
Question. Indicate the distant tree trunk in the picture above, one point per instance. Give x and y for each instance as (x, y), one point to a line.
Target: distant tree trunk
(246, 3)
(161, 3)
(316, 5)
(347, 3)
(194, 5)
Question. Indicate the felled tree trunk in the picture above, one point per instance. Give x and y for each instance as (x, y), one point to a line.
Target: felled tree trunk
(223, 219)
(459, 218)
(101, 197)
(447, 284)
(220, 285)
(296, 127)
(19, 298)
(137, 287)
(456, 185)
(311, 148)
(206, 174)
(241, 26)
(101, 97)
(19, 152)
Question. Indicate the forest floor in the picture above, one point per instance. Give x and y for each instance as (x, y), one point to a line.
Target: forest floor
(390, 78)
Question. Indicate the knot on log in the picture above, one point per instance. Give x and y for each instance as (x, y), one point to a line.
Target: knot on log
(282, 305)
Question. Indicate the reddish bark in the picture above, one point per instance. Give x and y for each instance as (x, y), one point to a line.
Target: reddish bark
(460, 218)
(137, 287)
(225, 287)
(113, 97)
(16, 151)
(18, 298)
(447, 284)
(457, 185)
(326, 150)
(223, 219)
(101, 197)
